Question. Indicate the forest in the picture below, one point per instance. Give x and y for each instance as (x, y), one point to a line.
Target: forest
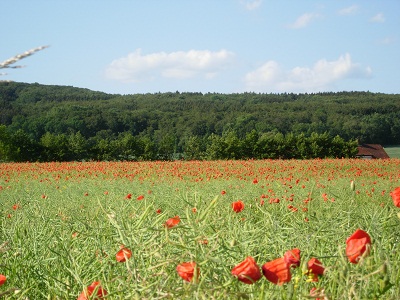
(63, 123)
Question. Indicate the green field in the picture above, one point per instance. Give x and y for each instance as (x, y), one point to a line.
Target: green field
(393, 151)
(61, 225)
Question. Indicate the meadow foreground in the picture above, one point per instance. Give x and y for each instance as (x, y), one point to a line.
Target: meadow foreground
(263, 229)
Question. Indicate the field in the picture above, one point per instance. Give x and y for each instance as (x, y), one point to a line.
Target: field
(64, 225)
(393, 151)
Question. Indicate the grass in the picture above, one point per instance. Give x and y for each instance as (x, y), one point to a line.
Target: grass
(393, 151)
(71, 218)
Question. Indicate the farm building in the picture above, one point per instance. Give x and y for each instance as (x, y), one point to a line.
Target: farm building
(371, 151)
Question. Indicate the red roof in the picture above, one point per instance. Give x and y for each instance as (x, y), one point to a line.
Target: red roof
(372, 150)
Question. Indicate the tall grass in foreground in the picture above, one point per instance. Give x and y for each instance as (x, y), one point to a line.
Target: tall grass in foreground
(62, 224)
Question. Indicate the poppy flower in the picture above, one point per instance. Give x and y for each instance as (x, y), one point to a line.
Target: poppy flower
(3, 279)
(396, 196)
(15, 206)
(247, 271)
(315, 268)
(129, 196)
(123, 254)
(357, 245)
(292, 257)
(277, 271)
(171, 222)
(94, 287)
(188, 270)
(237, 206)
(141, 197)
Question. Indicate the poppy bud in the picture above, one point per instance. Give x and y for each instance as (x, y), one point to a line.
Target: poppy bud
(247, 271)
(352, 185)
(357, 244)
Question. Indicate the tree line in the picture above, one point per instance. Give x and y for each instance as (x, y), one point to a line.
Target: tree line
(166, 125)
(19, 146)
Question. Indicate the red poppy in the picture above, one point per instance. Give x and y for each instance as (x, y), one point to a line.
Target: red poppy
(16, 206)
(171, 222)
(292, 257)
(358, 244)
(277, 271)
(141, 197)
(3, 279)
(159, 211)
(247, 271)
(223, 192)
(94, 287)
(129, 196)
(188, 270)
(396, 196)
(123, 254)
(315, 268)
(237, 206)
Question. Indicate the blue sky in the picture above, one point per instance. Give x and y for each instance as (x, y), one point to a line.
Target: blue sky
(223, 46)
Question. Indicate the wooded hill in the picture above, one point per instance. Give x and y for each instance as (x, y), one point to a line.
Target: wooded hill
(85, 124)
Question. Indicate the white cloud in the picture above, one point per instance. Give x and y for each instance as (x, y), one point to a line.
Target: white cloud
(271, 77)
(304, 20)
(137, 67)
(251, 4)
(348, 10)
(378, 18)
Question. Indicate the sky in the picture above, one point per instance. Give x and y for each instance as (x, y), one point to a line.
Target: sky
(216, 46)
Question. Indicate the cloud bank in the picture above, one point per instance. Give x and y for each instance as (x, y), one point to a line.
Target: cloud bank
(271, 77)
(136, 67)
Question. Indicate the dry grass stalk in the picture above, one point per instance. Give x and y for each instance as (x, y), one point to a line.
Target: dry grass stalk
(8, 63)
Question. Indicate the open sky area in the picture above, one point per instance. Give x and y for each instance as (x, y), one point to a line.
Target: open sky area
(223, 46)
